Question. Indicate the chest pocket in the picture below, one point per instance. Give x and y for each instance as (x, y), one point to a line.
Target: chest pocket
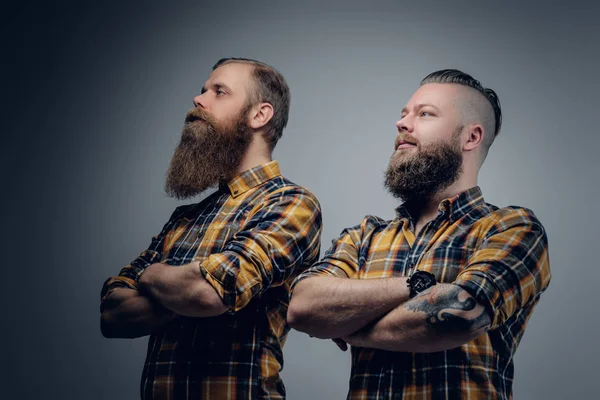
(445, 262)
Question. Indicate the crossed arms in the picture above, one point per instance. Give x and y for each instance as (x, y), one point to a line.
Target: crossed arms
(504, 274)
(377, 313)
(162, 293)
(279, 235)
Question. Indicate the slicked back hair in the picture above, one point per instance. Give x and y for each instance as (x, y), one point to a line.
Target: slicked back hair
(462, 78)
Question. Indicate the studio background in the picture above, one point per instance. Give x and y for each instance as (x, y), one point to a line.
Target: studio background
(94, 99)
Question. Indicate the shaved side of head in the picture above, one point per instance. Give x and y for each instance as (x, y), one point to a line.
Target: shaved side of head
(475, 109)
(477, 104)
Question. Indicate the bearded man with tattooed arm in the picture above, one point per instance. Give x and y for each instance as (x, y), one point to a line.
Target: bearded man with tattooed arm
(434, 302)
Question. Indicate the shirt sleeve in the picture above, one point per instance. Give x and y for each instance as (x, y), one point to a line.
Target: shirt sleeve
(129, 275)
(342, 260)
(510, 269)
(280, 237)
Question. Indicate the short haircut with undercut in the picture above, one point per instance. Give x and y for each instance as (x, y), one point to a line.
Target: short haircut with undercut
(464, 79)
(269, 87)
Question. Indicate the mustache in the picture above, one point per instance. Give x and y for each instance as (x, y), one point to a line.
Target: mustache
(198, 114)
(405, 138)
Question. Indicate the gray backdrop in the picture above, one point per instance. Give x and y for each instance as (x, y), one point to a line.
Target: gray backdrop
(94, 97)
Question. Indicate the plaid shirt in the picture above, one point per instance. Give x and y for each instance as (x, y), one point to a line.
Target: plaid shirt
(253, 237)
(499, 256)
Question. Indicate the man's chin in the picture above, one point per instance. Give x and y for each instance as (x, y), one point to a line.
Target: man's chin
(401, 157)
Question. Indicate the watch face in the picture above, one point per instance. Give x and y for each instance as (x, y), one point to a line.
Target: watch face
(421, 280)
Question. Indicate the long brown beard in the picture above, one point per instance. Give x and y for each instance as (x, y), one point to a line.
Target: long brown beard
(420, 176)
(209, 152)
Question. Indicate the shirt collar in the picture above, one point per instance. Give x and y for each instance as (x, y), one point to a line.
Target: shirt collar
(454, 208)
(252, 178)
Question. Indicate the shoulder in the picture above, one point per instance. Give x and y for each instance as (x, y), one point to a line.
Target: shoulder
(369, 225)
(372, 222)
(282, 188)
(512, 217)
(516, 214)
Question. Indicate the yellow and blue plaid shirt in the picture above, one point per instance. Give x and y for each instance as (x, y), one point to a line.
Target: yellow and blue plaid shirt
(499, 256)
(253, 237)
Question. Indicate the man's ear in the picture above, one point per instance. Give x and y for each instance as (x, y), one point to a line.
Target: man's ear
(260, 115)
(474, 138)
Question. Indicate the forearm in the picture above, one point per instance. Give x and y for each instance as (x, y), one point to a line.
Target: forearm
(128, 314)
(182, 289)
(441, 318)
(329, 307)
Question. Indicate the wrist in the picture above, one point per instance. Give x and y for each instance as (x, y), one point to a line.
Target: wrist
(399, 286)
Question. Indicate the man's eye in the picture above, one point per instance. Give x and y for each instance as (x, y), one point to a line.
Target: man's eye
(425, 114)
(220, 92)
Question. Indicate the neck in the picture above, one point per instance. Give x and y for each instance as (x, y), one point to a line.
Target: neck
(257, 154)
(428, 210)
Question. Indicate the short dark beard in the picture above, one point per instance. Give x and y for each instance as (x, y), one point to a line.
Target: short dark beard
(209, 152)
(433, 168)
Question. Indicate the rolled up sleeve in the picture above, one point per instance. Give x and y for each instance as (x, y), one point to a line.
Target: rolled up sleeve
(510, 269)
(279, 239)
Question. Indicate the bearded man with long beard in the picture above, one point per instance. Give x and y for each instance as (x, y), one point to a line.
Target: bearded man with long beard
(434, 302)
(212, 289)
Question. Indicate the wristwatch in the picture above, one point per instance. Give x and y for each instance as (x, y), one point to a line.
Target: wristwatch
(419, 281)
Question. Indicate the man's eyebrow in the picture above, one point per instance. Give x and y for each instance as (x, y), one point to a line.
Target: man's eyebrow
(419, 106)
(216, 86)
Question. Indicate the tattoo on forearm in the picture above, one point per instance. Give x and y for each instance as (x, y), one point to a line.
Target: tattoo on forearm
(450, 309)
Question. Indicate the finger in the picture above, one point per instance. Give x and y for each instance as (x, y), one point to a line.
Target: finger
(341, 344)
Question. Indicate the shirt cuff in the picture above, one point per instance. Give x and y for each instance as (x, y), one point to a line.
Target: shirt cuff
(222, 277)
(479, 285)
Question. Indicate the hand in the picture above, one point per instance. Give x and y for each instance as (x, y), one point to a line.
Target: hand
(354, 339)
(340, 343)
